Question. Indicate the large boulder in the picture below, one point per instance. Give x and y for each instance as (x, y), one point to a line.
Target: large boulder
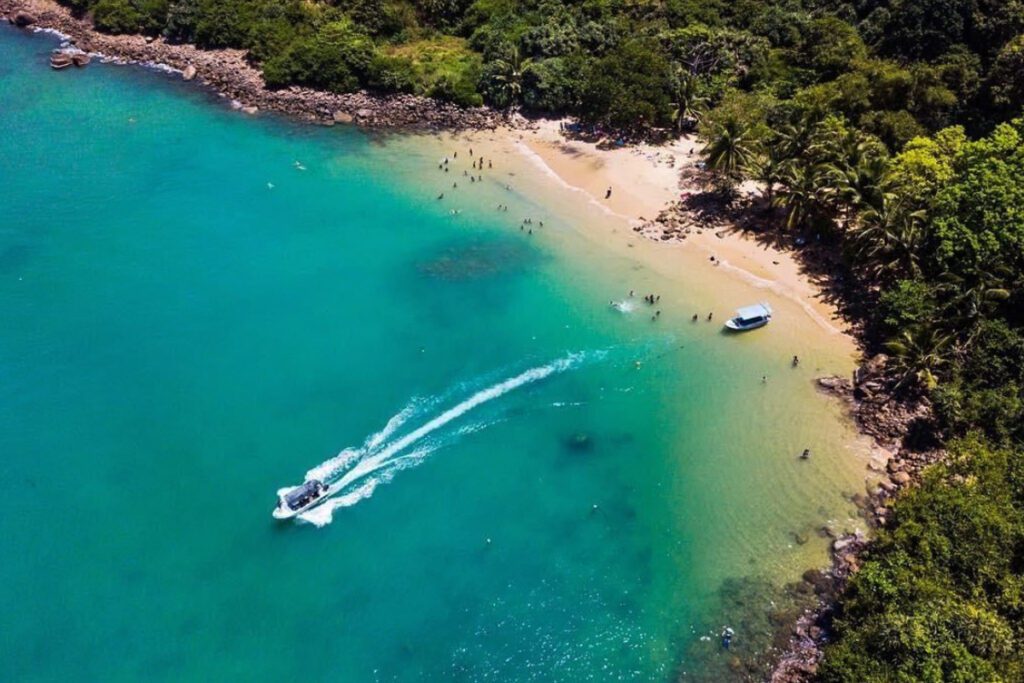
(900, 478)
(22, 19)
(343, 117)
(189, 73)
(61, 60)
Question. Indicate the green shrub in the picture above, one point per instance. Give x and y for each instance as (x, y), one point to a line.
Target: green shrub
(117, 16)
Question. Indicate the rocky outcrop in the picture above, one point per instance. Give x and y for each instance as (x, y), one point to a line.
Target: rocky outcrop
(804, 651)
(228, 73)
(23, 19)
(61, 60)
(870, 397)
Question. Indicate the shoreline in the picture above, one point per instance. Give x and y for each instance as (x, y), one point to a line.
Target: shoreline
(645, 178)
(227, 74)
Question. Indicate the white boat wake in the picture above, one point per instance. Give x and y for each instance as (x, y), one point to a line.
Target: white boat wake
(355, 473)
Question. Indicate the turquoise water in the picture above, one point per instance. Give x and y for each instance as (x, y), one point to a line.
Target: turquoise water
(192, 321)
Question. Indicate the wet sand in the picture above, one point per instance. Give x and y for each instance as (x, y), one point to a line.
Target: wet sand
(575, 176)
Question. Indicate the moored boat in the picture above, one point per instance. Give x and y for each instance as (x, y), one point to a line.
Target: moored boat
(291, 502)
(750, 318)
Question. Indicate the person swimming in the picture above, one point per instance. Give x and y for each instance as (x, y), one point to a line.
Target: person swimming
(694, 317)
(727, 635)
(806, 454)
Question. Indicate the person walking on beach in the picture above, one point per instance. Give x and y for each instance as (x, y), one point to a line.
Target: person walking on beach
(608, 194)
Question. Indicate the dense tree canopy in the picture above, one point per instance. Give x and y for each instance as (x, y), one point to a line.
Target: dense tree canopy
(896, 68)
(888, 129)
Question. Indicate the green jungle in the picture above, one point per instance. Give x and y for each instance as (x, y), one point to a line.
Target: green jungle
(888, 131)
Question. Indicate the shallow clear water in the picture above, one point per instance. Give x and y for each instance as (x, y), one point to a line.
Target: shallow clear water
(180, 340)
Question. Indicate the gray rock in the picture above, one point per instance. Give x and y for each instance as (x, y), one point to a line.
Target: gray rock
(841, 544)
(22, 19)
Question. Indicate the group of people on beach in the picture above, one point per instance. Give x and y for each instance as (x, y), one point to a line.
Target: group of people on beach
(478, 164)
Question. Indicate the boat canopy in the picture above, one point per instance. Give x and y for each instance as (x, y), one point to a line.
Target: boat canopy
(754, 312)
(301, 494)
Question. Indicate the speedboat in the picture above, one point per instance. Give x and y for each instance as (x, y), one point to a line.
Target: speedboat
(291, 502)
(750, 318)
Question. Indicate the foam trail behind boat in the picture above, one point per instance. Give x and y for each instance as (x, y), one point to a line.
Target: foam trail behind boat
(352, 468)
(327, 469)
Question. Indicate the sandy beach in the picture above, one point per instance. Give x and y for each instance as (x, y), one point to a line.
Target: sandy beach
(644, 179)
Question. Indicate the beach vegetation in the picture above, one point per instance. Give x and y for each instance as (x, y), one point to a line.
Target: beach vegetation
(941, 596)
(888, 131)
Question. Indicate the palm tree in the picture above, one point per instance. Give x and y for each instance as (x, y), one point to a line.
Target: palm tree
(689, 104)
(729, 152)
(975, 296)
(769, 169)
(508, 76)
(919, 354)
(797, 138)
(802, 193)
(891, 238)
(860, 185)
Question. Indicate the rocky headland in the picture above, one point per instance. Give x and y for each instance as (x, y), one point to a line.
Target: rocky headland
(228, 74)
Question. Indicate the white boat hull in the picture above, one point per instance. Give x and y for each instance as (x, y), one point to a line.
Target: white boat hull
(285, 511)
(744, 327)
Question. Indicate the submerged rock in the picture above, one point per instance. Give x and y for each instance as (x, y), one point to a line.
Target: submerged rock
(476, 260)
(579, 442)
(61, 60)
